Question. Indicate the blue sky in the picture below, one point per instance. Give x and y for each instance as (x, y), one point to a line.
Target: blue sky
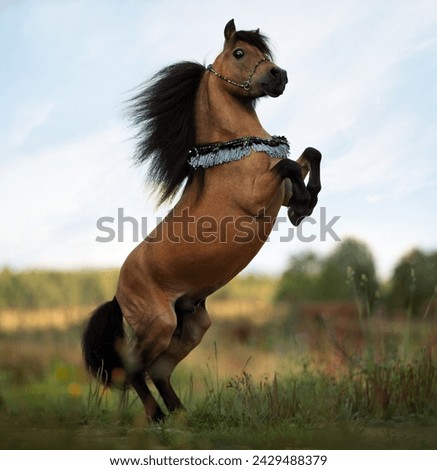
(362, 89)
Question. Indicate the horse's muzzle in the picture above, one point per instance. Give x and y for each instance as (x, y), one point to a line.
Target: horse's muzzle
(275, 81)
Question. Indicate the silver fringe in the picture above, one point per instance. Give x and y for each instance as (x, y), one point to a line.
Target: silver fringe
(224, 155)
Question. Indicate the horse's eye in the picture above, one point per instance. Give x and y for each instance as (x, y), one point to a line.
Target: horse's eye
(238, 53)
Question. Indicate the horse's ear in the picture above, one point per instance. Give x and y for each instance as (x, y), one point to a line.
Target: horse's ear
(229, 30)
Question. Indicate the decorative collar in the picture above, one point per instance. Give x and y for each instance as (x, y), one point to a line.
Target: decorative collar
(205, 156)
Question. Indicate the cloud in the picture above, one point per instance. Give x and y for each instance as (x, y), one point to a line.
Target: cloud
(376, 161)
(55, 196)
(27, 119)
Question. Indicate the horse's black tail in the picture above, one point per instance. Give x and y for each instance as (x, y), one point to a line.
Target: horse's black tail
(102, 343)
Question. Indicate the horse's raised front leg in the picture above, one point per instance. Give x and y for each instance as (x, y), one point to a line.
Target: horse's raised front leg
(192, 325)
(300, 199)
(300, 196)
(310, 163)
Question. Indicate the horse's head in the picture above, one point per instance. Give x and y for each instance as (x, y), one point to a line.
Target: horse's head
(246, 66)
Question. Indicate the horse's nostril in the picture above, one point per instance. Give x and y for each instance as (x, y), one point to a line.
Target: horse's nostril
(275, 72)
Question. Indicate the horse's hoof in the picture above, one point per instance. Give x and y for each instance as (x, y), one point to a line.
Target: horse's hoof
(312, 154)
(156, 417)
(295, 218)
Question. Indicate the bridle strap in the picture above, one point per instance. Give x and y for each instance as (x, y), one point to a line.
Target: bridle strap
(245, 85)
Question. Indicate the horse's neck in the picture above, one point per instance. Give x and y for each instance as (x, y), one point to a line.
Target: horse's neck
(221, 117)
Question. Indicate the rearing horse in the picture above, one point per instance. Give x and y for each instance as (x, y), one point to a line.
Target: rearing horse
(199, 131)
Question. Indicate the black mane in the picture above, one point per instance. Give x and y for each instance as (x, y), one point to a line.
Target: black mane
(163, 112)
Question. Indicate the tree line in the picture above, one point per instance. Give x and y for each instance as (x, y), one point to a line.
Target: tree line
(46, 289)
(347, 273)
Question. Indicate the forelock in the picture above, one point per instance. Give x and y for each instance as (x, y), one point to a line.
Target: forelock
(256, 39)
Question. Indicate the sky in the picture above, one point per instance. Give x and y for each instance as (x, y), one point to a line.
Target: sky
(362, 89)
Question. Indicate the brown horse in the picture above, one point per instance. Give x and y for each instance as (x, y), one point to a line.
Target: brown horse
(198, 131)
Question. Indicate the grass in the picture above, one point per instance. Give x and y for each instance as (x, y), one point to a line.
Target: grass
(308, 410)
(254, 382)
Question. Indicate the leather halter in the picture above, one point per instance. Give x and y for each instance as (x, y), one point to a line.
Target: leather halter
(245, 85)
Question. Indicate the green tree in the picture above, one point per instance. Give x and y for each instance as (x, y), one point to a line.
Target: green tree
(414, 282)
(300, 281)
(348, 270)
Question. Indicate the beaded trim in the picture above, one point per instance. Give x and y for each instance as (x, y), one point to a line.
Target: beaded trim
(205, 156)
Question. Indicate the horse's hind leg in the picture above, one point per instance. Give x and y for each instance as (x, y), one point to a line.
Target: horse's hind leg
(153, 333)
(192, 325)
(153, 410)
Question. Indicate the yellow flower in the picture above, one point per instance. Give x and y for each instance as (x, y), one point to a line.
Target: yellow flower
(74, 390)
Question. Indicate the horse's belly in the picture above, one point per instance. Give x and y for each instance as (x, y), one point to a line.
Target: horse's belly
(211, 256)
(197, 253)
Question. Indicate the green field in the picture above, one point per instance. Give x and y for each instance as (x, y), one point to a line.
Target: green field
(265, 377)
